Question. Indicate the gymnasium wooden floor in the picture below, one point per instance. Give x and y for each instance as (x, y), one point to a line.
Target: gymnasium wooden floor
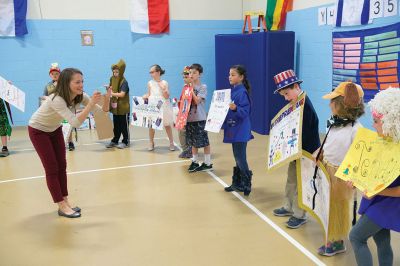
(143, 208)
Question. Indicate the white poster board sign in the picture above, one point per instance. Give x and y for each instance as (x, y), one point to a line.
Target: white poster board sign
(147, 113)
(175, 109)
(218, 110)
(285, 134)
(12, 94)
(315, 200)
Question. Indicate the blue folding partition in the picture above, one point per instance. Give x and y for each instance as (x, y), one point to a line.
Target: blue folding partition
(264, 54)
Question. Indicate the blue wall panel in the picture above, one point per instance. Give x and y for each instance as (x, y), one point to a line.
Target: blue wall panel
(26, 60)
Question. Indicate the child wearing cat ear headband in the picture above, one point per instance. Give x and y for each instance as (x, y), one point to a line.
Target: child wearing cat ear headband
(346, 103)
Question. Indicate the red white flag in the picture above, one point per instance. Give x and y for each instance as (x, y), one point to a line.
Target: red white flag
(150, 16)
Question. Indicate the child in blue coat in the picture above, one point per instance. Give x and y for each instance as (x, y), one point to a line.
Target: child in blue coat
(237, 128)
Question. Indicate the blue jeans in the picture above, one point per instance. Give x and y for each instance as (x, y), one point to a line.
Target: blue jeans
(239, 152)
(364, 229)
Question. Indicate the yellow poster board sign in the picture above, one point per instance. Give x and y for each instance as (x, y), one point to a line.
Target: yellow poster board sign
(372, 162)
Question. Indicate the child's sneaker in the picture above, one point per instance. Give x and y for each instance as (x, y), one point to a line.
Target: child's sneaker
(322, 249)
(332, 248)
(111, 145)
(172, 147)
(151, 146)
(281, 212)
(4, 152)
(187, 154)
(71, 146)
(193, 166)
(122, 145)
(205, 167)
(294, 222)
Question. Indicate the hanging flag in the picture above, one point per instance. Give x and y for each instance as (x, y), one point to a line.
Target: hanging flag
(150, 16)
(13, 17)
(352, 12)
(276, 13)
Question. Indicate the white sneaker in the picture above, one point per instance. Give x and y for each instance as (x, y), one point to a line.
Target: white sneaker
(151, 146)
(111, 145)
(122, 146)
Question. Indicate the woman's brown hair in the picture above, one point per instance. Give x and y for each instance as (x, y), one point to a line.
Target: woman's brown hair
(63, 90)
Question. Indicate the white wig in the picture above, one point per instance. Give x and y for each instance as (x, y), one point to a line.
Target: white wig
(386, 106)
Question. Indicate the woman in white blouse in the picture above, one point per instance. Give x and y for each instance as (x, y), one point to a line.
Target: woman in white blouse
(45, 132)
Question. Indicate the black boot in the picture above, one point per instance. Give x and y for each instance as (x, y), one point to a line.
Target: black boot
(246, 183)
(236, 181)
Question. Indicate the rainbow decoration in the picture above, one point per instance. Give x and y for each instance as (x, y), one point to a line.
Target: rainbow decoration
(276, 13)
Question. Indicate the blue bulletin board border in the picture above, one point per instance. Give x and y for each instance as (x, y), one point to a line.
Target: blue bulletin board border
(378, 52)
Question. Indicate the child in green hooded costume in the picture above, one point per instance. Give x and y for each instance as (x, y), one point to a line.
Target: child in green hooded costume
(119, 105)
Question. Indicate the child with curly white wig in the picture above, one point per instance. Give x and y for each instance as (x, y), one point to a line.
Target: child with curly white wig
(386, 107)
(381, 213)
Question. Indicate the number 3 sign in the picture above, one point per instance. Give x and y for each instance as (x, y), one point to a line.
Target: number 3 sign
(383, 8)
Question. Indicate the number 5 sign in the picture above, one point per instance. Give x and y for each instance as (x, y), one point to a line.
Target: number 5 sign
(383, 8)
(390, 8)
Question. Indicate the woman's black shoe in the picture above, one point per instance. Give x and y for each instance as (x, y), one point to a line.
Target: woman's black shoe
(74, 215)
(76, 209)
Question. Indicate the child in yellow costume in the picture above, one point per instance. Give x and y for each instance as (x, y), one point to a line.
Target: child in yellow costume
(346, 103)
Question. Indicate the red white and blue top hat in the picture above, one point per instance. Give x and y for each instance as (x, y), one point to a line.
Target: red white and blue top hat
(285, 79)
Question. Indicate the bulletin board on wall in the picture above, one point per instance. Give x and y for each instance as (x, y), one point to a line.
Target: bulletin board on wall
(369, 57)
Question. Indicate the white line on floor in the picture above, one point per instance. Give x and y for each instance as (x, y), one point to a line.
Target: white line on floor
(178, 146)
(90, 144)
(95, 170)
(219, 180)
(271, 223)
(267, 220)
